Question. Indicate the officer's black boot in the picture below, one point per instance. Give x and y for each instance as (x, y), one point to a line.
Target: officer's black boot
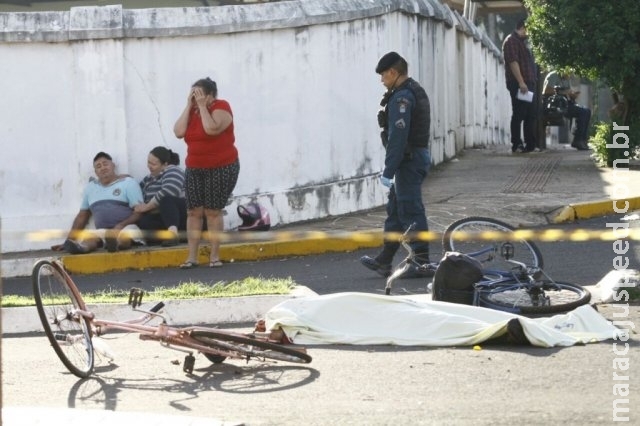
(382, 262)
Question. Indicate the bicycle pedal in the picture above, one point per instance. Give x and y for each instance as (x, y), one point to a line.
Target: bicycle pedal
(189, 362)
(135, 297)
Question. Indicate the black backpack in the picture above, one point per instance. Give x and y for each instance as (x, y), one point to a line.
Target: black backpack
(454, 279)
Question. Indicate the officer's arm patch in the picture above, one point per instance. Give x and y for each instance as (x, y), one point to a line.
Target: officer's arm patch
(403, 103)
(400, 124)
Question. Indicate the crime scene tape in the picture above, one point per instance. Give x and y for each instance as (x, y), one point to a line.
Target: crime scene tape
(547, 235)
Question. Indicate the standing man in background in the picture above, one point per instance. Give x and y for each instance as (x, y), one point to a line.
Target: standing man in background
(521, 76)
(405, 121)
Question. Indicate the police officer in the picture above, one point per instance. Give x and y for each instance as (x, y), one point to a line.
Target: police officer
(405, 121)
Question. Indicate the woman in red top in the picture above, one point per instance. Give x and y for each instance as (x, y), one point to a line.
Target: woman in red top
(212, 165)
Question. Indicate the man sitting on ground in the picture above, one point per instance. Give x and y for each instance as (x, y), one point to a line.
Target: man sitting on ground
(580, 113)
(110, 200)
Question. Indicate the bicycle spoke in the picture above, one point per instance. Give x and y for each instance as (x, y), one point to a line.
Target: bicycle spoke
(57, 301)
(249, 347)
(546, 297)
(491, 238)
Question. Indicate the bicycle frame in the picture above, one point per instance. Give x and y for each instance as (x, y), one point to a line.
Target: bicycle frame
(523, 274)
(72, 328)
(165, 334)
(410, 260)
(521, 289)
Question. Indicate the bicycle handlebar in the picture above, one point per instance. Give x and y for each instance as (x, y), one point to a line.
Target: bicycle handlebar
(156, 308)
(531, 272)
(522, 267)
(404, 241)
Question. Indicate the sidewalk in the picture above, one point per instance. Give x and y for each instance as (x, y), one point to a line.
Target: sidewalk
(557, 185)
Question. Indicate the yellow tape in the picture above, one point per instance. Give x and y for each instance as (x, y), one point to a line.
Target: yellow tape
(547, 235)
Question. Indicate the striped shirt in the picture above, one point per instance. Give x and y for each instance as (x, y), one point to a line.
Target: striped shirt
(169, 182)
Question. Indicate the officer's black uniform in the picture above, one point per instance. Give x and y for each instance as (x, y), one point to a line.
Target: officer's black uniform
(406, 138)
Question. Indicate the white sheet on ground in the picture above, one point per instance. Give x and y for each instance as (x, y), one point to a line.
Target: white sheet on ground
(370, 319)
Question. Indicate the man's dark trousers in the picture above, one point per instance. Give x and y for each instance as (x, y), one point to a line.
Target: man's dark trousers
(522, 112)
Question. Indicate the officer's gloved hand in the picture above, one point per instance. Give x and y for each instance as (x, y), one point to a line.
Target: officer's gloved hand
(386, 181)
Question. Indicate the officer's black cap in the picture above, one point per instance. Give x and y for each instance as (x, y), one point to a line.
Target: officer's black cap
(387, 61)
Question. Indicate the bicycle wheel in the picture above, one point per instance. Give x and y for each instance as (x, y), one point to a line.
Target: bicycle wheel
(249, 347)
(547, 297)
(56, 299)
(473, 235)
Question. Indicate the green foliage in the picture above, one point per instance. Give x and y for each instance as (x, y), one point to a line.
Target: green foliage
(604, 134)
(246, 287)
(598, 143)
(598, 40)
(250, 286)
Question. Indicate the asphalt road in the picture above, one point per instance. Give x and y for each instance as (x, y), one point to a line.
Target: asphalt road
(584, 262)
(373, 385)
(380, 385)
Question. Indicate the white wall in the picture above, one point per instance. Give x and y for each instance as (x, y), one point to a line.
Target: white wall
(299, 76)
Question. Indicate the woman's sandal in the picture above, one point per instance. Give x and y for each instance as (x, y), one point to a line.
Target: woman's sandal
(215, 264)
(188, 265)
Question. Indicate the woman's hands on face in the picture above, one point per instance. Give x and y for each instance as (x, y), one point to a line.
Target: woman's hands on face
(197, 97)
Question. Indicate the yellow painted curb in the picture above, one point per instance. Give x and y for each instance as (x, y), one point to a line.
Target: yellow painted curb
(567, 214)
(101, 262)
(596, 209)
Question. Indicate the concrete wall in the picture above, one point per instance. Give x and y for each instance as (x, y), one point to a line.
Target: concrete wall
(299, 77)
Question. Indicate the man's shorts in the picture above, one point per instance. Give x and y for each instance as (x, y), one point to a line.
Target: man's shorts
(130, 231)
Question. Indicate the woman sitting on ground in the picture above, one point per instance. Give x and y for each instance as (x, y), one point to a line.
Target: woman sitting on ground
(164, 204)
